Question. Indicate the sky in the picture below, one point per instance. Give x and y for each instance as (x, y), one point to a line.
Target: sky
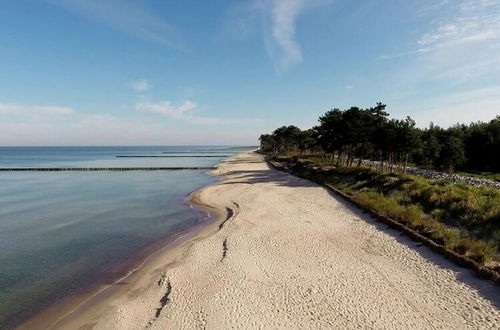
(222, 72)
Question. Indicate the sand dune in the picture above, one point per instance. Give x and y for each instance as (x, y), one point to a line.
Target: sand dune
(290, 255)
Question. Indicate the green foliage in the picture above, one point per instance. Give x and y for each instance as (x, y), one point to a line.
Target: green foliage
(467, 205)
(482, 145)
(452, 151)
(349, 136)
(431, 148)
(287, 139)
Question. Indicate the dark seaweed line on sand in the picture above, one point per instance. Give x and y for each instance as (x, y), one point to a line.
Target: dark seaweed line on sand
(231, 214)
(224, 249)
(164, 300)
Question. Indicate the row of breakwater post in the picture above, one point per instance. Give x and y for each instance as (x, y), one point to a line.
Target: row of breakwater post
(171, 156)
(83, 169)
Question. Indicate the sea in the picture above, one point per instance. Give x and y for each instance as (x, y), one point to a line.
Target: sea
(64, 232)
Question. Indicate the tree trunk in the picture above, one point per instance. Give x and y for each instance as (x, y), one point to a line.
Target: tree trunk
(406, 163)
(351, 160)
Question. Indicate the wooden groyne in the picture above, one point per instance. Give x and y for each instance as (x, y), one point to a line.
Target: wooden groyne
(90, 169)
(170, 156)
(193, 152)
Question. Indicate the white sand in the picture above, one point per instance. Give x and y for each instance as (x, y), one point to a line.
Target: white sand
(295, 257)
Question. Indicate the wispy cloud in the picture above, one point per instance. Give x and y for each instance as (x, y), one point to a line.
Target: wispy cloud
(33, 110)
(467, 45)
(430, 6)
(184, 111)
(403, 54)
(188, 111)
(128, 16)
(462, 44)
(279, 24)
(476, 21)
(141, 85)
(166, 108)
(283, 15)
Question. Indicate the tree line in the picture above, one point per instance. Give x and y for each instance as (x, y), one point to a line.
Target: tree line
(349, 137)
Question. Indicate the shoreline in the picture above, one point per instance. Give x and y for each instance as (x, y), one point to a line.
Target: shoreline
(247, 268)
(56, 315)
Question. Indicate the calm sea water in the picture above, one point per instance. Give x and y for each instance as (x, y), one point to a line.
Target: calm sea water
(63, 232)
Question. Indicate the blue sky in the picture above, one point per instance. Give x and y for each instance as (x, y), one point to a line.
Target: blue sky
(151, 72)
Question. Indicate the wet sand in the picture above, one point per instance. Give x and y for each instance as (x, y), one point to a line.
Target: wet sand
(287, 254)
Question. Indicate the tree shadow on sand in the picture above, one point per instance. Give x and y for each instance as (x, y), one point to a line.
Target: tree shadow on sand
(269, 175)
(487, 289)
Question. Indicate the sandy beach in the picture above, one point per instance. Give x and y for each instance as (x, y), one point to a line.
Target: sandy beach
(287, 254)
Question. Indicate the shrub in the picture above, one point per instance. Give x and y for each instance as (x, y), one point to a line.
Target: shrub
(480, 251)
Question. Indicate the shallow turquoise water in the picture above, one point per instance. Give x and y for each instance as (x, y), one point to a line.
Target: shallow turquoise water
(62, 232)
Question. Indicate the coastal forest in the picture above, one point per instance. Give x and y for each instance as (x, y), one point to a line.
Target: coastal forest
(370, 134)
(443, 183)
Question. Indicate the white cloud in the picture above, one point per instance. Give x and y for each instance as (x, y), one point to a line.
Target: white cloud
(475, 22)
(468, 20)
(466, 45)
(183, 111)
(141, 85)
(166, 108)
(283, 16)
(187, 111)
(404, 54)
(429, 6)
(460, 44)
(128, 16)
(33, 110)
(280, 19)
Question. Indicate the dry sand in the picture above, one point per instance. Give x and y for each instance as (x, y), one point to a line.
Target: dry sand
(292, 256)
